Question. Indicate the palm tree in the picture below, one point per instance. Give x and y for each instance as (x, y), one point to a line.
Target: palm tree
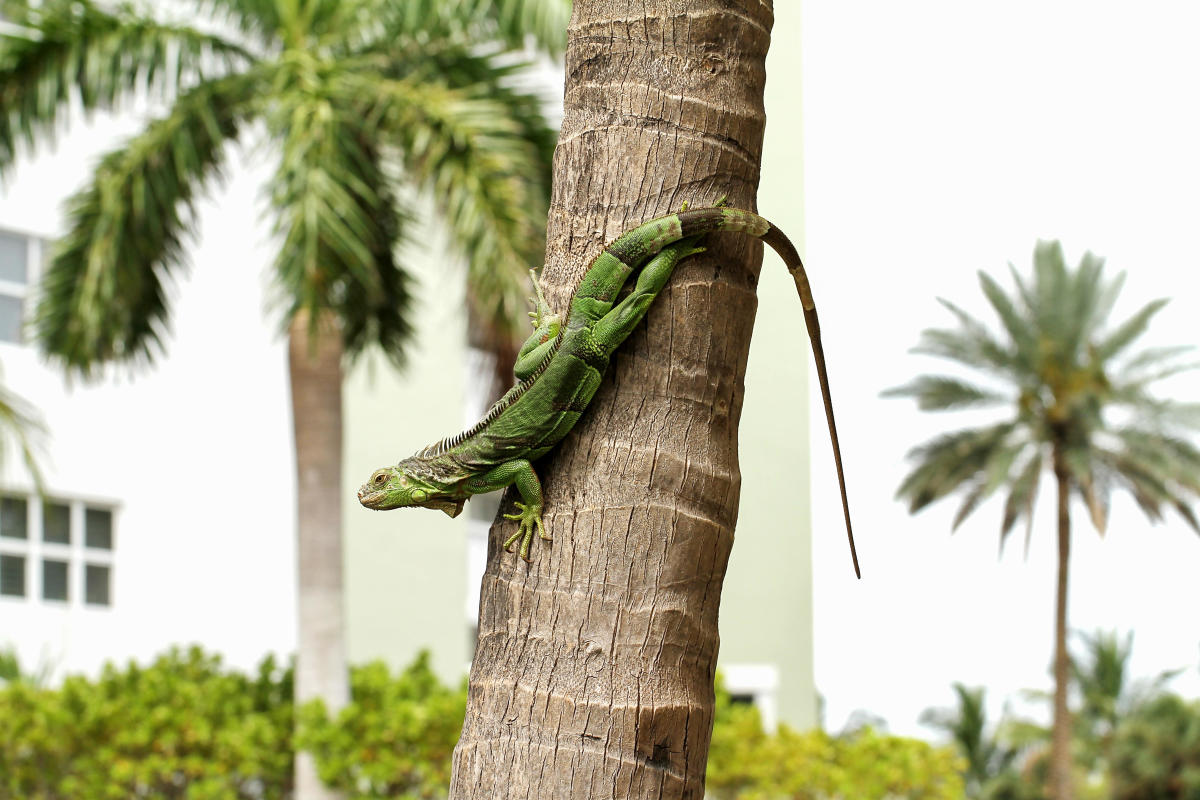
(593, 675)
(967, 727)
(356, 98)
(1080, 406)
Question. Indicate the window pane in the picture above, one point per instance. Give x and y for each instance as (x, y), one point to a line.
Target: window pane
(56, 523)
(54, 580)
(10, 318)
(13, 516)
(12, 576)
(13, 257)
(96, 584)
(97, 525)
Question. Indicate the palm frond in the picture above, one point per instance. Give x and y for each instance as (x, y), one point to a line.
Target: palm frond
(340, 223)
(1158, 470)
(77, 50)
(103, 297)
(1128, 331)
(1016, 325)
(942, 393)
(971, 344)
(993, 474)
(1021, 496)
(950, 461)
(486, 175)
(509, 21)
(259, 18)
(1051, 291)
(1091, 478)
(1155, 358)
(21, 427)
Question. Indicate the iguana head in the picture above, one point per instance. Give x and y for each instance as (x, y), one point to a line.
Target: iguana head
(395, 487)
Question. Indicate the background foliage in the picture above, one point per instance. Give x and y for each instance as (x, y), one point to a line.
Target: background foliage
(187, 727)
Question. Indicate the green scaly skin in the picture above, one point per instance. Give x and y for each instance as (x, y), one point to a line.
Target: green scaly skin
(560, 367)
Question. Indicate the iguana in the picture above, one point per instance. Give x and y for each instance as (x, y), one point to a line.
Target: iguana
(560, 367)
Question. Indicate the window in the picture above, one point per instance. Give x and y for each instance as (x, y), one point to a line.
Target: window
(96, 581)
(56, 523)
(14, 522)
(54, 580)
(12, 576)
(69, 563)
(98, 528)
(14, 281)
(14, 258)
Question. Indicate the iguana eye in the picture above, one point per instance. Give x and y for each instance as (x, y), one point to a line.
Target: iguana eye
(380, 478)
(419, 495)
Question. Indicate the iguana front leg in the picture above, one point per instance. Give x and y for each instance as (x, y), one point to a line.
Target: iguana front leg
(519, 472)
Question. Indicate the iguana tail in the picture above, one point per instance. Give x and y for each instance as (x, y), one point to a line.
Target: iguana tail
(641, 243)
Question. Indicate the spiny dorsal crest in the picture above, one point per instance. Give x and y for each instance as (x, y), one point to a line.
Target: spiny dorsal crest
(511, 396)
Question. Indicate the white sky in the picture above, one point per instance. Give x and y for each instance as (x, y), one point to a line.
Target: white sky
(942, 138)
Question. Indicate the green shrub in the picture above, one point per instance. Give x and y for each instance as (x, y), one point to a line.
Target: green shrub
(746, 763)
(1156, 752)
(179, 728)
(394, 740)
(186, 728)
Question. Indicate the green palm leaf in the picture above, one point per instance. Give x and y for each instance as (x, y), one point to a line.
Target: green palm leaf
(21, 428)
(77, 50)
(509, 21)
(479, 164)
(942, 393)
(340, 223)
(103, 297)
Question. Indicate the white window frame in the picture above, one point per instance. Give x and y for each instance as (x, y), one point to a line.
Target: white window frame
(77, 554)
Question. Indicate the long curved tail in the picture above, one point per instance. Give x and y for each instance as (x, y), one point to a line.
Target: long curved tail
(642, 242)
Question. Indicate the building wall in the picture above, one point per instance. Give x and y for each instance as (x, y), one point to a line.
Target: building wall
(194, 455)
(767, 601)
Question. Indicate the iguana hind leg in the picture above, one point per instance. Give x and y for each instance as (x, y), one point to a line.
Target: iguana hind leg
(546, 325)
(615, 326)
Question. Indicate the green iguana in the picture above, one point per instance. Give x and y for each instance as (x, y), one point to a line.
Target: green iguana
(559, 369)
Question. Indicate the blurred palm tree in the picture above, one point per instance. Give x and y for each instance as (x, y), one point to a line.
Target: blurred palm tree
(1081, 408)
(1105, 694)
(986, 757)
(360, 102)
(21, 428)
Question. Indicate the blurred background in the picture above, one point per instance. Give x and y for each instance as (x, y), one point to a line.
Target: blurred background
(907, 148)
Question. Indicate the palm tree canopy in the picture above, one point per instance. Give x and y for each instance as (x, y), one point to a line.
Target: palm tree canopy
(357, 97)
(1079, 396)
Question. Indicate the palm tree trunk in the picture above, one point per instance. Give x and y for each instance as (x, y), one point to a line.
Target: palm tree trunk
(593, 675)
(1061, 787)
(315, 369)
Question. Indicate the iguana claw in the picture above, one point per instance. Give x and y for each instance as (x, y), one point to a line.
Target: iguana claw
(531, 520)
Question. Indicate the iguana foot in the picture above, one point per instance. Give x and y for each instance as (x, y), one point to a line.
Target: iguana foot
(531, 520)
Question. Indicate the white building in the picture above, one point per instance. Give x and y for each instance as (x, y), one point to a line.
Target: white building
(170, 492)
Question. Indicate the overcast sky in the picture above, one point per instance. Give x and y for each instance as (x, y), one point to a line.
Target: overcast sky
(942, 138)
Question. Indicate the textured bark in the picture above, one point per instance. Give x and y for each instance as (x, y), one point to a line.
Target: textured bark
(1061, 787)
(593, 676)
(315, 369)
